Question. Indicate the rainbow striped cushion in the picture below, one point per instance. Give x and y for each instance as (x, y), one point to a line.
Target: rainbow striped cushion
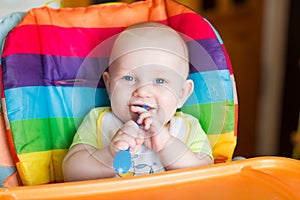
(48, 91)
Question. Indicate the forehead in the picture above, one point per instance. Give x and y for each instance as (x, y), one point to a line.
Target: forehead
(157, 38)
(150, 60)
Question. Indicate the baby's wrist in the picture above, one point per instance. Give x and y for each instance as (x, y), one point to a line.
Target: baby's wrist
(172, 152)
(167, 142)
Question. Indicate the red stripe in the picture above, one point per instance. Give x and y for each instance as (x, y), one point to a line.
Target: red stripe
(12, 146)
(227, 59)
(76, 41)
(235, 120)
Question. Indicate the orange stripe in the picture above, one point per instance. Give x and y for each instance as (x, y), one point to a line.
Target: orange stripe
(112, 15)
(118, 15)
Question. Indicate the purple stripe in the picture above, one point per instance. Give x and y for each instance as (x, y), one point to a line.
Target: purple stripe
(37, 70)
(46, 70)
(206, 55)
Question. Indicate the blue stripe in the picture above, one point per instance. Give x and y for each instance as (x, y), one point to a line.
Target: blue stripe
(211, 86)
(50, 101)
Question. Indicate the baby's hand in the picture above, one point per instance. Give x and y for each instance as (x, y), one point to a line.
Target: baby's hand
(129, 136)
(156, 133)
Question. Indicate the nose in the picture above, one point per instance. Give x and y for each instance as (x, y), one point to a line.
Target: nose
(145, 91)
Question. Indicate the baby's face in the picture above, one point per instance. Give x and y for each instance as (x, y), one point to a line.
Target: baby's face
(154, 78)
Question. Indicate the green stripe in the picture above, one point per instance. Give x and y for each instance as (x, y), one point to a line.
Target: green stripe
(36, 135)
(215, 118)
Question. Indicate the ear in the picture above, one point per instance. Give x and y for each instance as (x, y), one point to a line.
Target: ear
(106, 79)
(186, 91)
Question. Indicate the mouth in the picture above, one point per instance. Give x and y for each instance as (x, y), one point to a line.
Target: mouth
(148, 107)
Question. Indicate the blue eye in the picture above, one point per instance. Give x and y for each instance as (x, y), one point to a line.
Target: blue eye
(129, 78)
(160, 81)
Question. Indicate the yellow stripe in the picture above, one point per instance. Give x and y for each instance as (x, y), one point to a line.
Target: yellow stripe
(99, 126)
(41, 167)
(222, 145)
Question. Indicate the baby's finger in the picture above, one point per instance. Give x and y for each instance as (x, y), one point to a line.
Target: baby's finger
(138, 109)
(124, 138)
(142, 117)
(120, 145)
(124, 141)
(147, 123)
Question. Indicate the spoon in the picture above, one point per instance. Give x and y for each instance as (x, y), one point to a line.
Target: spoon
(122, 161)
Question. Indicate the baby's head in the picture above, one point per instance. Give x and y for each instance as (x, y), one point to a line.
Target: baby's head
(153, 36)
(148, 66)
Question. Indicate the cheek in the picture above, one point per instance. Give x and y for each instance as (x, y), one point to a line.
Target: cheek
(170, 106)
(118, 90)
(168, 103)
(168, 96)
(119, 96)
(119, 103)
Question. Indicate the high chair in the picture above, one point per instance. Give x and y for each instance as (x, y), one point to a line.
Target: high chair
(51, 63)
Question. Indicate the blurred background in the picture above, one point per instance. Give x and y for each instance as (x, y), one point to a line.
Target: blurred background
(262, 40)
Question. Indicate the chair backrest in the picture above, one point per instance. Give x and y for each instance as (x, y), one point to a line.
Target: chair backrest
(48, 73)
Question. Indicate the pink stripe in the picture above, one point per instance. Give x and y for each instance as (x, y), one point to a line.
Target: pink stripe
(76, 41)
(53, 40)
(192, 25)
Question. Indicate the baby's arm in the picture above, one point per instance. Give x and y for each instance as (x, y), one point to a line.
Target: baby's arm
(176, 155)
(85, 162)
(196, 151)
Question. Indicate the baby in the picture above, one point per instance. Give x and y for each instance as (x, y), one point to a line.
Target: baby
(146, 82)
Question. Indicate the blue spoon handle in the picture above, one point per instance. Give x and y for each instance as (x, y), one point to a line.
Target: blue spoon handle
(122, 161)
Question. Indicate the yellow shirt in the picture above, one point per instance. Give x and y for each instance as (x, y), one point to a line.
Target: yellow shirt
(100, 125)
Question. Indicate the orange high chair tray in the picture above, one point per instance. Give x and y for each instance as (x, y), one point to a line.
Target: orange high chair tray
(256, 178)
